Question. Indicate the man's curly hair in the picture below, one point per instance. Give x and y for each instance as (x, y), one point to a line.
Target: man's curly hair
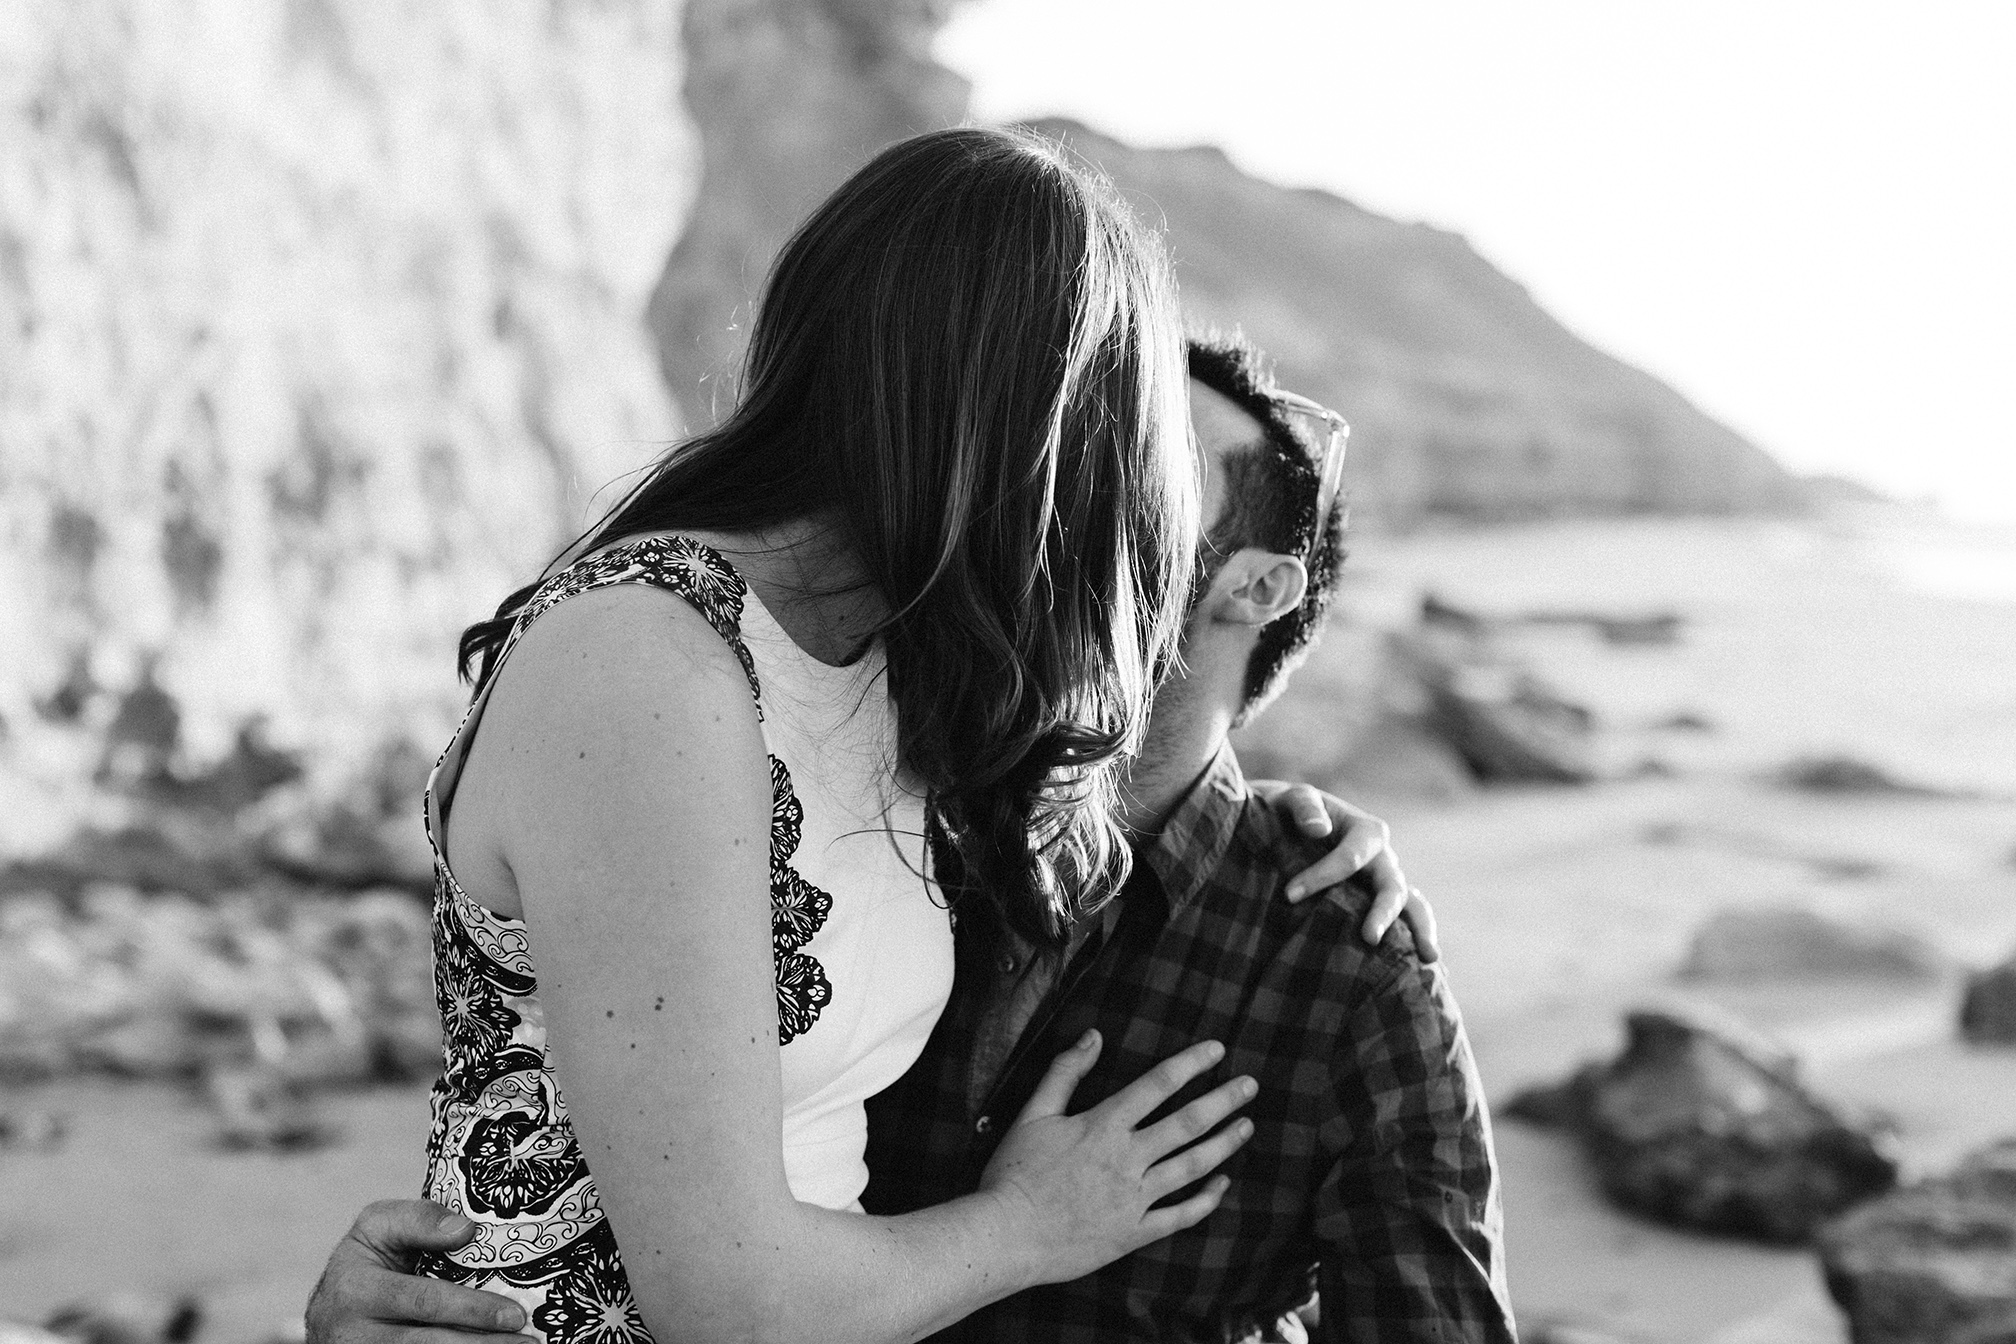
(1270, 503)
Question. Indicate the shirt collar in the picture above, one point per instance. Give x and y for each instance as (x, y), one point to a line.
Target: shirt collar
(1194, 839)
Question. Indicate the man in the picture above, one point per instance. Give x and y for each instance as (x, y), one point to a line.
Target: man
(1369, 1174)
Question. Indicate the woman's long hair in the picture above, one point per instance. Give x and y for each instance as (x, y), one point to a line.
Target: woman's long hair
(970, 357)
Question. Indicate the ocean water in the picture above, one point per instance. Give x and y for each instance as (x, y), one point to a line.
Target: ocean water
(1951, 561)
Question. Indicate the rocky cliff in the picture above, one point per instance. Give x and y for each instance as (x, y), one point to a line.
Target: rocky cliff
(319, 320)
(322, 320)
(1465, 396)
(790, 96)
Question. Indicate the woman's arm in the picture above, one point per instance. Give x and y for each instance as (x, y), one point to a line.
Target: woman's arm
(1364, 845)
(634, 797)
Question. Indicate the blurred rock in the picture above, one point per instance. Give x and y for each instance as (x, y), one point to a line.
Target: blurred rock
(1437, 610)
(258, 1107)
(1654, 628)
(14, 1332)
(146, 729)
(1354, 722)
(164, 853)
(31, 1131)
(1429, 711)
(1988, 1008)
(68, 699)
(368, 835)
(349, 849)
(221, 830)
(1793, 943)
(1843, 867)
(1699, 1124)
(1933, 1263)
(326, 991)
(128, 1318)
(379, 945)
(251, 770)
(1845, 775)
(1506, 725)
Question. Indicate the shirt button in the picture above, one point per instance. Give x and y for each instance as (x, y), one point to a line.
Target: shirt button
(1007, 963)
(984, 1125)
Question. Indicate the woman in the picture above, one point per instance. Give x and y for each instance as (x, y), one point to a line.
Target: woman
(918, 586)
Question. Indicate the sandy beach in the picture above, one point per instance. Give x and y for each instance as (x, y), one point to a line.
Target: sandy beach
(1891, 637)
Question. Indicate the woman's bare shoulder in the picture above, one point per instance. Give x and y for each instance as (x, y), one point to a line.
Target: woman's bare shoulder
(635, 626)
(616, 691)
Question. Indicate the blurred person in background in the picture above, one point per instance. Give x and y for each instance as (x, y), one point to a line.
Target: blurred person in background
(1370, 1175)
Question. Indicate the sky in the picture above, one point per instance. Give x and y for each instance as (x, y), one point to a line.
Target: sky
(1800, 214)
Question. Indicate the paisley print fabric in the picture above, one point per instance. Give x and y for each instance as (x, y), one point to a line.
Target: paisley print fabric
(501, 1150)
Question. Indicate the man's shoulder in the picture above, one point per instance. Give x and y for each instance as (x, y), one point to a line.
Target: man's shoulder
(1270, 852)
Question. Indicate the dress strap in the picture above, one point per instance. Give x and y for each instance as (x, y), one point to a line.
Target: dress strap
(695, 571)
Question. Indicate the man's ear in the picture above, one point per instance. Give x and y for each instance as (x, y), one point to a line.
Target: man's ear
(1256, 587)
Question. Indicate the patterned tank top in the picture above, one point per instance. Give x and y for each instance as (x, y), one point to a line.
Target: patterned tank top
(863, 966)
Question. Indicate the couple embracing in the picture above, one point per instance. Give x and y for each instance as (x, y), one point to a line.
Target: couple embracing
(845, 828)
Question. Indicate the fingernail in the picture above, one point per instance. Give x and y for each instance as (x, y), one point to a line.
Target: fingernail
(1245, 1129)
(508, 1318)
(1249, 1087)
(455, 1225)
(1088, 1040)
(1295, 890)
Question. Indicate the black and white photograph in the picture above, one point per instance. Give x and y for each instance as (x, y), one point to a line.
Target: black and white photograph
(1007, 672)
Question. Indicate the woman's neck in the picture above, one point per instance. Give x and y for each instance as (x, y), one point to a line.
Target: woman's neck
(811, 581)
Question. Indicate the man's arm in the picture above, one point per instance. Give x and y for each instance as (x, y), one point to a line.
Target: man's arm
(1408, 1216)
(369, 1294)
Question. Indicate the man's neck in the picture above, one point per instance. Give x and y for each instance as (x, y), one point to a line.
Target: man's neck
(1183, 739)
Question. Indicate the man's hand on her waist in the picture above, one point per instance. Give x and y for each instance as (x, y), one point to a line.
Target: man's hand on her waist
(369, 1293)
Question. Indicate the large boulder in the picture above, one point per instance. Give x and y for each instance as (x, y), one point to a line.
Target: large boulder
(1699, 1124)
(1988, 1009)
(1933, 1263)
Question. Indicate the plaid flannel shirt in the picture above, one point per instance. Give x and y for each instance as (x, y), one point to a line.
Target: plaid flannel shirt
(1370, 1173)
